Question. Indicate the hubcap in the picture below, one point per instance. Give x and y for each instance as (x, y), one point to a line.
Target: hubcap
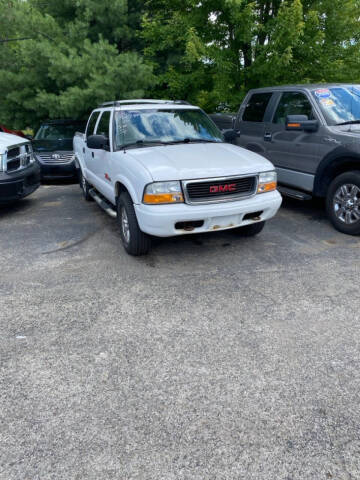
(346, 203)
(125, 225)
(83, 181)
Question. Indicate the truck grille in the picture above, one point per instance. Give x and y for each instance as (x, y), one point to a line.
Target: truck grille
(55, 158)
(18, 157)
(219, 189)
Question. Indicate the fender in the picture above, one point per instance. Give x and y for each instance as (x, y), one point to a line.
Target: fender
(338, 160)
(133, 194)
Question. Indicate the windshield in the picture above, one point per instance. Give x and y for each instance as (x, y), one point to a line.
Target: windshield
(137, 127)
(57, 132)
(339, 104)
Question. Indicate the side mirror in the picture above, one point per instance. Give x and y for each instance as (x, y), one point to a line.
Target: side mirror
(231, 135)
(98, 142)
(29, 137)
(301, 122)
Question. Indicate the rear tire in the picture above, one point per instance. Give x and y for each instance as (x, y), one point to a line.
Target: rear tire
(85, 187)
(134, 240)
(251, 230)
(343, 203)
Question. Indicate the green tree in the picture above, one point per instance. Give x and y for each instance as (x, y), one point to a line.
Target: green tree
(76, 55)
(211, 52)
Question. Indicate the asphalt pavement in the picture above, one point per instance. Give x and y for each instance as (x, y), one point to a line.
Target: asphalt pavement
(215, 357)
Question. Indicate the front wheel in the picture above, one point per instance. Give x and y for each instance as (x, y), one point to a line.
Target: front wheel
(251, 230)
(134, 240)
(343, 203)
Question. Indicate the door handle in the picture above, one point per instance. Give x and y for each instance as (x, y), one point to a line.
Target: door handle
(83, 149)
(92, 154)
(268, 137)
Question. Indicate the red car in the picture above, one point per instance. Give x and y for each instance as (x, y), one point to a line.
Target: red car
(19, 133)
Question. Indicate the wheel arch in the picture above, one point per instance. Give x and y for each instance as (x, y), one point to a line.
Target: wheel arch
(121, 186)
(338, 162)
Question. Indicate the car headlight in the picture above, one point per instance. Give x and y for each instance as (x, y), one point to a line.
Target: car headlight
(267, 182)
(163, 192)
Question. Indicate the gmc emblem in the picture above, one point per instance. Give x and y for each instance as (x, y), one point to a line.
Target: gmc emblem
(230, 187)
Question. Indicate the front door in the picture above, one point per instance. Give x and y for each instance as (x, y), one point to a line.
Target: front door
(295, 154)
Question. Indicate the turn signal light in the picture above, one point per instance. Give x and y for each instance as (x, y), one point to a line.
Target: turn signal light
(267, 187)
(156, 198)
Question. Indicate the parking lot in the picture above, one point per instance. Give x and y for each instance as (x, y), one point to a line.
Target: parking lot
(215, 357)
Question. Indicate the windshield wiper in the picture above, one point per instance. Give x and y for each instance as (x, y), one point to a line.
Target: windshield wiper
(143, 143)
(349, 122)
(192, 140)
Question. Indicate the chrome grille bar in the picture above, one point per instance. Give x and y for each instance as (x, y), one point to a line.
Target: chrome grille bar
(55, 158)
(18, 157)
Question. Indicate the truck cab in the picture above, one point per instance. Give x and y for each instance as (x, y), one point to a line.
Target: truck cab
(163, 169)
(311, 133)
(19, 172)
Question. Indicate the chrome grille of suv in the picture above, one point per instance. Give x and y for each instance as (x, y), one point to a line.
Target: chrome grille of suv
(219, 189)
(18, 157)
(55, 158)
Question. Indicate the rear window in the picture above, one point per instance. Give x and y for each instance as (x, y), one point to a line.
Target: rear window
(256, 107)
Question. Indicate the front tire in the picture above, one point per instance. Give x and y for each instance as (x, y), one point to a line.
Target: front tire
(251, 230)
(134, 240)
(343, 203)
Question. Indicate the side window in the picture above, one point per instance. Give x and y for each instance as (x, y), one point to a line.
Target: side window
(103, 125)
(292, 103)
(256, 107)
(92, 123)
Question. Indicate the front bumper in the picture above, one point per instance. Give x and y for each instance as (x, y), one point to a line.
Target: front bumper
(16, 185)
(160, 220)
(60, 171)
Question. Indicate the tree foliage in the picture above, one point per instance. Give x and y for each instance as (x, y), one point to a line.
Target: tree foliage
(210, 52)
(76, 54)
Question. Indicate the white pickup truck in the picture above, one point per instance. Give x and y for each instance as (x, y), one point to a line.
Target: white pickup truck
(19, 172)
(162, 168)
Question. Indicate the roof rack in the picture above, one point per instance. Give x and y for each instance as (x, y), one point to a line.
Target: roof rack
(143, 101)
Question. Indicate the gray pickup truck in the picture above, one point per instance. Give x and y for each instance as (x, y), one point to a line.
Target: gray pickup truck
(311, 133)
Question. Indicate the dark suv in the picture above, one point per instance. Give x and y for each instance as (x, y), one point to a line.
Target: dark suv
(311, 133)
(53, 148)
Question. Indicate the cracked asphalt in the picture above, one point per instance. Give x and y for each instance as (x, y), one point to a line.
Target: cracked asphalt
(215, 357)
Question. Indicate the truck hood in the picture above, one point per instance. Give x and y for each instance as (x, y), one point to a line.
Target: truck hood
(65, 144)
(8, 140)
(199, 160)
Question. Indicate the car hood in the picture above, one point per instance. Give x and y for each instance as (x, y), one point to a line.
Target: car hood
(65, 144)
(8, 140)
(199, 160)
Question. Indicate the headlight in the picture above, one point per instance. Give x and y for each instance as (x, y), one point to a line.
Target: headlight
(267, 182)
(163, 192)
